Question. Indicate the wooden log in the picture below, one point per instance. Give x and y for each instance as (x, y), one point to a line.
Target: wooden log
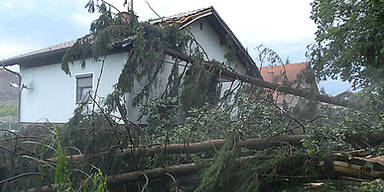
(182, 169)
(47, 188)
(341, 167)
(205, 146)
(175, 170)
(365, 140)
(346, 168)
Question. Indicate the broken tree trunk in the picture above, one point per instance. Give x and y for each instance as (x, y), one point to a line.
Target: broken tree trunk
(176, 170)
(363, 140)
(205, 146)
(356, 167)
(352, 166)
(218, 68)
(142, 175)
(367, 168)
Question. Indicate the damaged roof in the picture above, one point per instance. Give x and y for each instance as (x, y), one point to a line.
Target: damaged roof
(185, 18)
(53, 54)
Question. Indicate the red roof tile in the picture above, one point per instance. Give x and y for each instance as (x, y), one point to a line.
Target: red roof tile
(273, 73)
(282, 74)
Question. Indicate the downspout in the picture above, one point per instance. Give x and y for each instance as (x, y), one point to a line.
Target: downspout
(19, 90)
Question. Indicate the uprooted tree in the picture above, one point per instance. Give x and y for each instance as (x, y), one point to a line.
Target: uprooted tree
(248, 143)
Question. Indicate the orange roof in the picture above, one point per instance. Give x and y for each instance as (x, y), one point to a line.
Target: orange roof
(283, 73)
(275, 74)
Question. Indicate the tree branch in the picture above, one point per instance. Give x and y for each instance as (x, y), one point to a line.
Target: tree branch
(218, 68)
(18, 177)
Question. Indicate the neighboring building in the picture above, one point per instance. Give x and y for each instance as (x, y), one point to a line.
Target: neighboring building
(297, 75)
(8, 94)
(51, 95)
(346, 95)
(353, 97)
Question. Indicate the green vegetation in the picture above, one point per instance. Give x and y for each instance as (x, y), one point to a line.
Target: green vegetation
(93, 152)
(8, 116)
(349, 41)
(147, 45)
(8, 110)
(286, 167)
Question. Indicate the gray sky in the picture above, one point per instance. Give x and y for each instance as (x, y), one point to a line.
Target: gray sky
(28, 25)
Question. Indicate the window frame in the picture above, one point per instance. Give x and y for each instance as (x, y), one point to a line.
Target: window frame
(82, 76)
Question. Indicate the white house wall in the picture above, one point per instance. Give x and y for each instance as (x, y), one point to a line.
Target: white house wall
(51, 94)
(210, 41)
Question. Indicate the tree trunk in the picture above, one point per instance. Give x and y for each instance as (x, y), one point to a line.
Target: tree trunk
(361, 140)
(182, 169)
(217, 68)
(205, 146)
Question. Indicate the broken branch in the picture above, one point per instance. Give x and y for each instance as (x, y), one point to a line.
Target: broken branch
(218, 68)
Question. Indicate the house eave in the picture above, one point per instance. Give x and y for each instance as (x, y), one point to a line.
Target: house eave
(208, 13)
(54, 54)
(40, 59)
(247, 60)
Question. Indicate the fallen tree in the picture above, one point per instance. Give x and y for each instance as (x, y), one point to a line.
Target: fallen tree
(342, 165)
(205, 146)
(218, 68)
(282, 161)
(354, 167)
(362, 140)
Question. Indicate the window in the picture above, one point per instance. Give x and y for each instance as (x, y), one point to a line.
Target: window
(83, 88)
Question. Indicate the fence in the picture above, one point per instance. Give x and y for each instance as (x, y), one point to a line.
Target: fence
(8, 122)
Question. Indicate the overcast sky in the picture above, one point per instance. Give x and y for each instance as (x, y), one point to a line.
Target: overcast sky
(28, 25)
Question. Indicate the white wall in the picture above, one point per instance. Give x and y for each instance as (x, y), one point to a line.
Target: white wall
(52, 96)
(210, 41)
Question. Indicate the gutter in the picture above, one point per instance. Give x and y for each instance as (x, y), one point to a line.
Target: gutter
(19, 90)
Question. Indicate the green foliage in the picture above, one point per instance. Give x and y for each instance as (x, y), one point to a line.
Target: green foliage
(218, 177)
(62, 177)
(287, 61)
(189, 110)
(249, 116)
(200, 87)
(205, 123)
(145, 45)
(274, 169)
(374, 186)
(8, 110)
(97, 182)
(271, 170)
(333, 131)
(146, 59)
(260, 118)
(162, 118)
(349, 41)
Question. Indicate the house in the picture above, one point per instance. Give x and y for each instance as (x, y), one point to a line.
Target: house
(51, 95)
(353, 97)
(346, 95)
(297, 75)
(8, 94)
